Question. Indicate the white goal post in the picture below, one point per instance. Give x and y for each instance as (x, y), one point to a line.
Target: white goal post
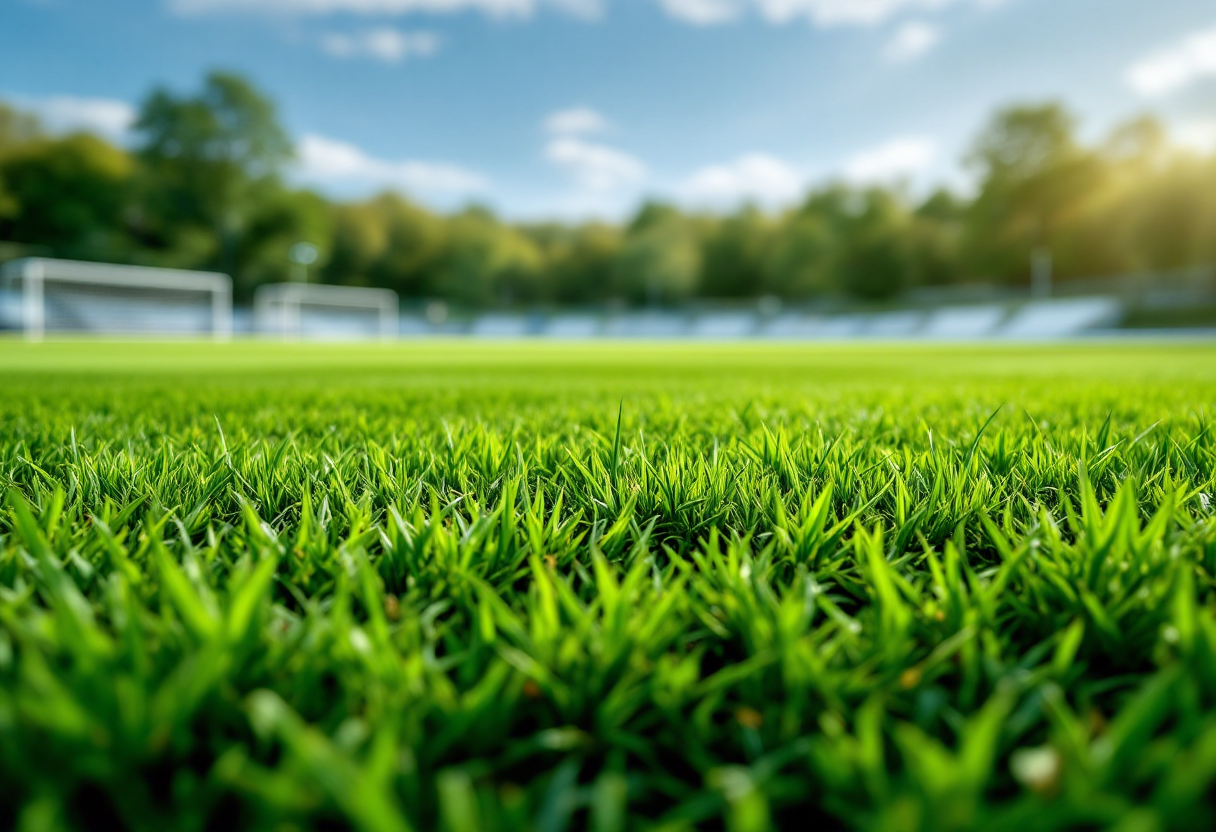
(75, 296)
(319, 310)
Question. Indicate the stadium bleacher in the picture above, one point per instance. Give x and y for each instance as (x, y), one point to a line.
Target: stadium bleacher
(839, 326)
(573, 326)
(894, 324)
(790, 326)
(1045, 319)
(1061, 318)
(724, 325)
(646, 325)
(500, 326)
(963, 322)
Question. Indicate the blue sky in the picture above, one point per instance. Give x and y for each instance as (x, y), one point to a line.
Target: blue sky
(575, 108)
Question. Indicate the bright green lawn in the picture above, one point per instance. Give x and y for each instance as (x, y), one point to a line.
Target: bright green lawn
(538, 586)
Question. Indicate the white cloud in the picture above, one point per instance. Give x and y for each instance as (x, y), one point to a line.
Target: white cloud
(1197, 135)
(821, 13)
(576, 121)
(327, 161)
(896, 159)
(595, 167)
(912, 40)
(108, 117)
(754, 177)
(295, 8)
(702, 12)
(586, 9)
(1175, 67)
(385, 44)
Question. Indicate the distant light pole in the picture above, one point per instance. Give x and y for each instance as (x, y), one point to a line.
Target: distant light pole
(1040, 272)
(302, 256)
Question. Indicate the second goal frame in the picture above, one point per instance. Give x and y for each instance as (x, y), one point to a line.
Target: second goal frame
(281, 308)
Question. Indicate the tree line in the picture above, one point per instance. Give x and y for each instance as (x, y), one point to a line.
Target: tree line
(203, 186)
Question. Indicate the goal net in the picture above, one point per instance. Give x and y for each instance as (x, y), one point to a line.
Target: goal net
(73, 296)
(314, 310)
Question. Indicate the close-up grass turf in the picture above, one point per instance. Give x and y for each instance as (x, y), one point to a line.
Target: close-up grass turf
(534, 587)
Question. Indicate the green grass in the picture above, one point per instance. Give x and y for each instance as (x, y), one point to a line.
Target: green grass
(500, 587)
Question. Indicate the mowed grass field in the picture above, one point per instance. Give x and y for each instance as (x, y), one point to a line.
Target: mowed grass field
(554, 587)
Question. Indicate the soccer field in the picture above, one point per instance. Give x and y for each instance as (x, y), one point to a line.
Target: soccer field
(631, 586)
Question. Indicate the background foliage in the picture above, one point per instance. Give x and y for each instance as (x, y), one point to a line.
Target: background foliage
(202, 186)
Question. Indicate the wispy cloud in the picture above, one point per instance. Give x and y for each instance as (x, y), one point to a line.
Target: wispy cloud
(821, 13)
(896, 159)
(912, 40)
(383, 44)
(576, 121)
(1174, 67)
(330, 162)
(317, 8)
(1197, 135)
(702, 12)
(596, 167)
(585, 9)
(754, 177)
(108, 117)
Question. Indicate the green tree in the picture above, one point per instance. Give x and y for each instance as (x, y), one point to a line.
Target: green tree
(660, 260)
(1158, 207)
(579, 261)
(1035, 180)
(205, 160)
(735, 256)
(8, 202)
(487, 263)
(875, 252)
(16, 130)
(68, 195)
(283, 219)
(936, 232)
(412, 242)
(799, 263)
(846, 241)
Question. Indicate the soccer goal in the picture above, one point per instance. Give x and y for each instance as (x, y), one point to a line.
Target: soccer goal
(74, 296)
(316, 310)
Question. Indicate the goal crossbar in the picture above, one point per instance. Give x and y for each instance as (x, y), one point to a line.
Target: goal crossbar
(32, 275)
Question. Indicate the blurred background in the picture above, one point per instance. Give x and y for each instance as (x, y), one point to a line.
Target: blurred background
(583, 168)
